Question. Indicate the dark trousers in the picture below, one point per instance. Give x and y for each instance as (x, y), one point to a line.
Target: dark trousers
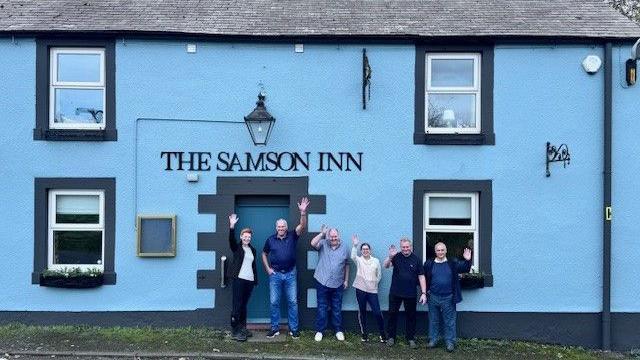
(241, 292)
(409, 312)
(363, 298)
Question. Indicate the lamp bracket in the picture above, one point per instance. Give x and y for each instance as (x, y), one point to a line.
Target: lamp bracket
(556, 154)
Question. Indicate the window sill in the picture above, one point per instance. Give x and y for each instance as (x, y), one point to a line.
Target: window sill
(454, 139)
(108, 278)
(75, 135)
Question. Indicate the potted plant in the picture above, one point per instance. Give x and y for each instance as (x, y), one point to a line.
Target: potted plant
(74, 278)
(472, 280)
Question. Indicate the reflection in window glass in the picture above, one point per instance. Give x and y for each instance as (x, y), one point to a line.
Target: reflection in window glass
(77, 247)
(452, 72)
(451, 110)
(77, 209)
(79, 106)
(78, 67)
(456, 242)
(449, 211)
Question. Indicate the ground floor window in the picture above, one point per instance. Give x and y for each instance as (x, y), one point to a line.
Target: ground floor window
(451, 218)
(457, 213)
(74, 221)
(76, 229)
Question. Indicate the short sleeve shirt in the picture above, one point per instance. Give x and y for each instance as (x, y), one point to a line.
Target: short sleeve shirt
(331, 262)
(282, 252)
(405, 275)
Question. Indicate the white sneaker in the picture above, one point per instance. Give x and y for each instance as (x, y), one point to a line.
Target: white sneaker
(340, 336)
(318, 336)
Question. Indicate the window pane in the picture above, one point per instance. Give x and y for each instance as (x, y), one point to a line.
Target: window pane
(452, 110)
(78, 209)
(83, 106)
(449, 211)
(79, 67)
(455, 242)
(77, 247)
(452, 72)
(156, 236)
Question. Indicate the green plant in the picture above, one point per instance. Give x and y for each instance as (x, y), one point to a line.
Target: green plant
(71, 273)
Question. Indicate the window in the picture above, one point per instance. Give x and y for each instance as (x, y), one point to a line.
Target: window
(454, 95)
(76, 229)
(451, 218)
(74, 221)
(156, 235)
(457, 213)
(75, 90)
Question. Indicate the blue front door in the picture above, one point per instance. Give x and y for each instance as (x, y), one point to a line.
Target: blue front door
(260, 214)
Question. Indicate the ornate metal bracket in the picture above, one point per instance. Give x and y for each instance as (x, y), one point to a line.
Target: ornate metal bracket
(366, 79)
(561, 153)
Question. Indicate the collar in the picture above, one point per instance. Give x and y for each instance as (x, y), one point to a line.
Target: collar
(438, 261)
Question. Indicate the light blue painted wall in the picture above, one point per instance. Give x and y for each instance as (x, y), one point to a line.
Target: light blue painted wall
(625, 245)
(546, 231)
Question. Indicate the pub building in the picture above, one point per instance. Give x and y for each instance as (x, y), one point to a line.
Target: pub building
(130, 131)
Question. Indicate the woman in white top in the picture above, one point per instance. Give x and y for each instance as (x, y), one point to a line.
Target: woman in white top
(244, 276)
(368, 276)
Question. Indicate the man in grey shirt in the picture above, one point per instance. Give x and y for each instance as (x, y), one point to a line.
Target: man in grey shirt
(332, 276)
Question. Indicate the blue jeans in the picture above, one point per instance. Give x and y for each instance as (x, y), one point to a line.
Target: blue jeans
(288, 281)
(363, 298)
(326, 295)
(442, 311)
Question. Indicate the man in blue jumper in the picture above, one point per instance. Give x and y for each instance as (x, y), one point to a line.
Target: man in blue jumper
(444, 293)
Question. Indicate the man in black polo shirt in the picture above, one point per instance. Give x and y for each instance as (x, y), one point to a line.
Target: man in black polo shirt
(279, 259)
(407, 274)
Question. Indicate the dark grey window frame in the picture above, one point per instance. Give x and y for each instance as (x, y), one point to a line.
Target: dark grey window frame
(41, 218)
(485, 217)
(42, 130)
(486, 136)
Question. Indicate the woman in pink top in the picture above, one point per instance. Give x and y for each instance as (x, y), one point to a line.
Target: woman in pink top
(368, 276)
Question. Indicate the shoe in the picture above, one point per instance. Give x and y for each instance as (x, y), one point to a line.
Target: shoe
(340, 336)
(238, 336)
(364, 338)
(273, 333)
(294, 334)
(431, 344)
(412, 344)
(318, 336)
(450, 347)
(382, 339)
(246, 332)
(390, 342)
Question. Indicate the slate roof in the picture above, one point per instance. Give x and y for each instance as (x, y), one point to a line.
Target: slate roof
(310, 18)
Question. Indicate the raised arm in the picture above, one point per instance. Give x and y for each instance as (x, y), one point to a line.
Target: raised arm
(302, 206)
(354, 248)
(464, 266)
(392, 252)
(233, 219)
(315, 242)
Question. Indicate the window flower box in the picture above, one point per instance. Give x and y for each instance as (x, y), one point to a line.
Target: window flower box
(472, 281)
(74, 279)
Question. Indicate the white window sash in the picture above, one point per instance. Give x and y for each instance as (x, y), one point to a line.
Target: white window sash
(54, 226)
(471, 90)
(55, 84)
(472, 229)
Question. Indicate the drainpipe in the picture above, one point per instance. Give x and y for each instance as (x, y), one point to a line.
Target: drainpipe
(606, 236)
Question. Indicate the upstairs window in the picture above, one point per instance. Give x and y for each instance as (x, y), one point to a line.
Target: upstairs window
(77, 88)
(453, 93)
